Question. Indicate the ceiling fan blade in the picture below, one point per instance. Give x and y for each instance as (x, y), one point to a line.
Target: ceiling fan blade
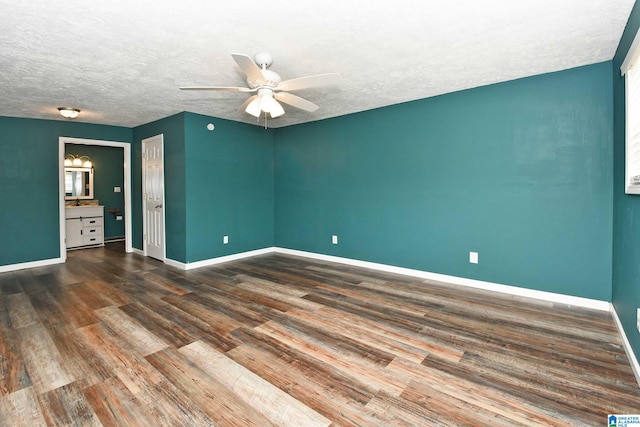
(296, 101)
(223, 88)
(246, 64)
(309, 81)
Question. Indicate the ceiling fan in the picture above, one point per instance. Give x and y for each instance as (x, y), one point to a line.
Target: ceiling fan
(269, 87)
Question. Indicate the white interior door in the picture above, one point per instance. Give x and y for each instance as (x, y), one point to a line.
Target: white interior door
(153, 196)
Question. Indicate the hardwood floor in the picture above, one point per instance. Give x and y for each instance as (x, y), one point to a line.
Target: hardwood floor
(115, 339)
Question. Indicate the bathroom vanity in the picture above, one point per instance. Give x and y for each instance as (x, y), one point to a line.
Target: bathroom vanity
(85, 226)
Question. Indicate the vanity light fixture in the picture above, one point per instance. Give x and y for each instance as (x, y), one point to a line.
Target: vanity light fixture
(72, 160)
(69, 113)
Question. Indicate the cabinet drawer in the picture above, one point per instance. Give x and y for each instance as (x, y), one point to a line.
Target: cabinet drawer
(96, 221)
(92, 231)
(92, 239)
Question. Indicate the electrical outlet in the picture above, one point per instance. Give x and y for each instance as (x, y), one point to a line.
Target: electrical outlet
(118, 217)
(638, 319)
(334, 239)
(473, 257)
(117, 189)
(225, 240)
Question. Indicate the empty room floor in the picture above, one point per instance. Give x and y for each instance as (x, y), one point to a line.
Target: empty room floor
(110, 339)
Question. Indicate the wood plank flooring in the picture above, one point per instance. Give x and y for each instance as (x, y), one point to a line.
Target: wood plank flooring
(116, 339)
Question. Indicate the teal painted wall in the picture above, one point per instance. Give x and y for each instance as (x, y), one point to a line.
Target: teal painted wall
(626, 209)
(229, 183)
(520, 172)
(108, 172)
(216, 183)
(30, 219)
(174, 183)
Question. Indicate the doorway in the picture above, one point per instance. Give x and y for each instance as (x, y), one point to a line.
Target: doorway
(62, 141)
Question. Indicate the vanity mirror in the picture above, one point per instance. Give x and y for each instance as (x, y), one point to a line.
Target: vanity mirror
(78, 183)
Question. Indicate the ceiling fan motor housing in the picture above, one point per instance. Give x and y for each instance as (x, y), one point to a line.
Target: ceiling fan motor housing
(271, 78)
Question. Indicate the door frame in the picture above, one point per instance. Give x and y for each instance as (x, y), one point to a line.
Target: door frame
(126, 146)
(144, 199)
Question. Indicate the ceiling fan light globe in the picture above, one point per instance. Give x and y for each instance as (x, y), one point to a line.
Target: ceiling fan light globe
(267, 103)
(275, 114)
(276, 110)
(266, 106)
(254, 108)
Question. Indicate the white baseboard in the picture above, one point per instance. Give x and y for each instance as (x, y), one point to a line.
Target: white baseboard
(137, 251)
(506, 289)
(31, 264)
(627, 345)
(213, 261)
(479, 284)
(176, 264)
(114, 239)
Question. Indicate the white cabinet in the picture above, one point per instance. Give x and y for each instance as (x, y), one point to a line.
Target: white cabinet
(74, 232)
(85, 226)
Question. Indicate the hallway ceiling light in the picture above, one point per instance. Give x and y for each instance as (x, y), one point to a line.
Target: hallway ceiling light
(69, 113)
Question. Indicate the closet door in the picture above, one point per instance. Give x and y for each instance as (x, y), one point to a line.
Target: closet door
(153, 196)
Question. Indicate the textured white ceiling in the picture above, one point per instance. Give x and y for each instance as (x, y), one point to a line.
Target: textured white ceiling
(121, 61)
